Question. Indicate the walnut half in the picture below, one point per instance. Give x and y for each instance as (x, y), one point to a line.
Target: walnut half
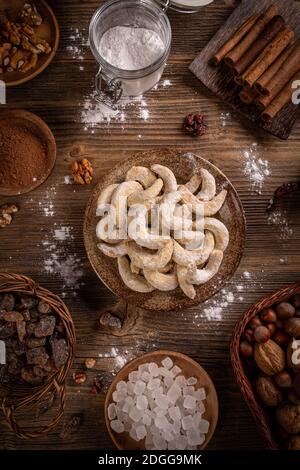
(83, 171)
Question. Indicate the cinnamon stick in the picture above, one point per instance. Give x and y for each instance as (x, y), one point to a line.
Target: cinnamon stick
(284, 74)
(268, 56)
(248, 95)
(234, 40)
(273, 27)
(239, 50)
(262, 82)
(281, 100)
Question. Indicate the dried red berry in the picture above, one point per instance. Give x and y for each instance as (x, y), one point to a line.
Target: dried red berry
(195, 124)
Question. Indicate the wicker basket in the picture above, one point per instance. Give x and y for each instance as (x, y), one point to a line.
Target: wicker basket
(261, 417)
(21, 397)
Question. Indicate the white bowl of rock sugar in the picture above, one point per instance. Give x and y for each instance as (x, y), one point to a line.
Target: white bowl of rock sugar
(130, 40)
(163, 400)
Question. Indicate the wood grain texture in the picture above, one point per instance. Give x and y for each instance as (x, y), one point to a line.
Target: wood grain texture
(58, 96)
(220, 79)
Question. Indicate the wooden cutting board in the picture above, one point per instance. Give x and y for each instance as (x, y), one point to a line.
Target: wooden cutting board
(219, 79)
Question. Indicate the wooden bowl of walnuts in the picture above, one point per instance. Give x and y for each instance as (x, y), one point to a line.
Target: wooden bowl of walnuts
(265, 354)
(37, 341)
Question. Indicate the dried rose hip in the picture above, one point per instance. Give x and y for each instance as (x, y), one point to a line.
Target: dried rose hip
(195, 124)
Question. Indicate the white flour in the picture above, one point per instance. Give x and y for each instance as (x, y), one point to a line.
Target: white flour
(255, 168)
(279, 219)
(130, 48)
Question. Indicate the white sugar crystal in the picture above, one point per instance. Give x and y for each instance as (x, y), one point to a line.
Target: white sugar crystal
(187, 422)
(129, 400)
(188, 391)
(196, 419)
(118, 396)
(159, 442)
(174, 393)
(168, 382)
(145, 376)
(200, 394)
(159, 411)
(111, 411)
(174, 413)
(154, 430)
(134, 376)
(175, 370)
(194, 437)
(121, 386)
(141, 432)
(167, 363)
(161, 422)
(181, 443)
(153, 384)
(127, 425)
(147, 420)
(180, 381)
(189, 402)
(153, 369)
(163, 372)
(204, 426)
(148, 442)
(157, 392)
(139, 387)
(163, 402)
(141, 402)
(151, 403)
(132, 434)
(130, 388)
(144, 368)
(201, 407)
(117, 426)
(176, 427)
(172, 445)
(168, 436)
(126, 407)
(135, 414)
(191, 381)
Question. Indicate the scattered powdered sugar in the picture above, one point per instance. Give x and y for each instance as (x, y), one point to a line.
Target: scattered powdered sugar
(279, 219)
(78, 46)
(224, 118)
(63, 233)
(247, 275)
(162, 84)
(67, 179)
(255, 168)
(46, 205)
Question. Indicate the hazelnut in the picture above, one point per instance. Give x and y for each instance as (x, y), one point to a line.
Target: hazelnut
(283, 379)
(288, 417)
(90, 363)
(254, 323)
(262, 334)
(293, 397)
(79, 378)
(279, 323)
(294, 443)
(296, 384)
(296, 300)
(285, 310)
(268, 315)
(268, 392)
(248, 335)
(292, 327)
(246, 349)
(281, 337)
(272, 328)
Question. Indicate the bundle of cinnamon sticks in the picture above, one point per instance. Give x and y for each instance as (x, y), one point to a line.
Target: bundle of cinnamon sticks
(265, 61)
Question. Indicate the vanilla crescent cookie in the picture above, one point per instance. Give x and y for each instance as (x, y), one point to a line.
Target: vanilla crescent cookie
(135, 282)
(168, 177)
(141, 174)
(161, 281)
(201, 276)
(187, 289)
(145, 260)
(208, 186)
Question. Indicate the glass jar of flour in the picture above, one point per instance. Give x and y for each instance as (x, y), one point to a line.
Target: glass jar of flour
(131, 41)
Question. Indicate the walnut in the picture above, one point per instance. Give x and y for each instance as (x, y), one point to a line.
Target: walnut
(269, 357)
(6, 211)
(288, 417)
(30, 15)
(268, 392)
(31, 63)
(82, 171)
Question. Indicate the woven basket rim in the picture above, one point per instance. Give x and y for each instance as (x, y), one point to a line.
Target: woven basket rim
(27, 396)
(258, 412)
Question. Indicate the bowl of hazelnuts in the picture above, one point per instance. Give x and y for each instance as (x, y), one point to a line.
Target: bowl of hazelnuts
(265, 355)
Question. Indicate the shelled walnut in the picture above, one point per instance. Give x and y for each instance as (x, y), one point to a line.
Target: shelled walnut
(82, 171)
(20, 45)
(6, 211)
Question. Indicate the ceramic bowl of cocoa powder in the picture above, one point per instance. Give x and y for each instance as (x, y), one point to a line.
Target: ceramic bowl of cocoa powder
(27, 152)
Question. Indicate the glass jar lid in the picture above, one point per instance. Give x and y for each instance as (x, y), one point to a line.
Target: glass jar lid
(186, 6)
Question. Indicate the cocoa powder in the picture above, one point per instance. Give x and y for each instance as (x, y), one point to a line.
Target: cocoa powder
(23, 157)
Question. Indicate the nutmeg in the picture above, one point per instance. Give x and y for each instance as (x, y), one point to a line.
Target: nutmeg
(262, 334)
(269, 357)
(288, 417)
(292, 327)
(283, 379)
(246, 349)
(268, 315)
(285, 310)
(268, 392)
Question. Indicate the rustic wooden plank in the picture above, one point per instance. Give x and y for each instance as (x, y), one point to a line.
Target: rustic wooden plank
(220, 79)
(58, 97)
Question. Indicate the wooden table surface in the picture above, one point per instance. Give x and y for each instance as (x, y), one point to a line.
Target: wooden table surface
(30, 245)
